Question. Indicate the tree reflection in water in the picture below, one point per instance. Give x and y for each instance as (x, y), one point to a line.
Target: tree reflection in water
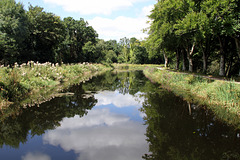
(174, 134)
(15, 128)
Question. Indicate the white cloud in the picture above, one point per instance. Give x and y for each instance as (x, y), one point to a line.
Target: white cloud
(101, 140)
(87, 7)
(36, 156)
(147, 10)
(119, 27)
(109, 28)
(117, 99)
(122, 26)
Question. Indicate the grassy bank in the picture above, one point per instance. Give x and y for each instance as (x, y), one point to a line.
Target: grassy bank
(220, 96)
(40, 82)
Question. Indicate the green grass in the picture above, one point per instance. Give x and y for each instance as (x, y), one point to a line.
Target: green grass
(223, 97)
(38, 81)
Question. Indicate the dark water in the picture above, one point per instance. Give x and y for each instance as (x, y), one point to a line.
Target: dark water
(116, 117)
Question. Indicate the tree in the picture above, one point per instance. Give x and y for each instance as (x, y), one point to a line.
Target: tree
(111, 56)
(101, 49)
(125, 44)
(78, 33)
(46, 34)
(196, 29)
(13, 31)
(113, 45)
(140, 55)
(224, 23)
(89, 52)
(161, 33)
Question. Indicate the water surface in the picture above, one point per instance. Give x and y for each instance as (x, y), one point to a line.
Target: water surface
(116, 116)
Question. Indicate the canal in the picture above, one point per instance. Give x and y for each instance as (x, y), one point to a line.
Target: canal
(116, 116)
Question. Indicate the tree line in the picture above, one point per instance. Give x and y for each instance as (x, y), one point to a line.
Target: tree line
(37, 35)
(197, 35)
(193, 35)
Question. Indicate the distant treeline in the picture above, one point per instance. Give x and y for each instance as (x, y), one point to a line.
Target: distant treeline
(37, 35)
(194, 35)
(197, 35)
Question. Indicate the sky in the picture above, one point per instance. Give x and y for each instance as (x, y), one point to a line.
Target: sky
(112, 19)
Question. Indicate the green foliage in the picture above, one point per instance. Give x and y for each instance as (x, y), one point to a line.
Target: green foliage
(196, 29)
(13, 31)
(139, 55)
(111, 56)
(21, 81)
(46, 34)
(77, 35)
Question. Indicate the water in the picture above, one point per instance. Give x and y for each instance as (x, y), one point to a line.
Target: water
(119, 116)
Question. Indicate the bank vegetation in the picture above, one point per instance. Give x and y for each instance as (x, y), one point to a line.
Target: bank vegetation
(39, 82)
(222, 97)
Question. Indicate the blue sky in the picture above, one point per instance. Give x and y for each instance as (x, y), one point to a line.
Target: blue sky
(112, 19)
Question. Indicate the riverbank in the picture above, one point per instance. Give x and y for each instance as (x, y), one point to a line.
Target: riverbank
(39, 82)
(222, 97)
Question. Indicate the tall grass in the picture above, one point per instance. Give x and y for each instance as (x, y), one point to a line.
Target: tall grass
(223, 97)
(32, 79)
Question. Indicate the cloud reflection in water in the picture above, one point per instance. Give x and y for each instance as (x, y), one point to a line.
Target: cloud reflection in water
(100, 135)
(118, 100)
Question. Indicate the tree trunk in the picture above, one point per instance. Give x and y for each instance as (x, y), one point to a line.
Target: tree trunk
(222, 65)
(166, 59)
(229, 67)
(178, 60)
(205, 56)
(190, 60)
(238, 50)
(222, 58)
(190, 55)
(184, 61)
(204, 63)
(237, 46)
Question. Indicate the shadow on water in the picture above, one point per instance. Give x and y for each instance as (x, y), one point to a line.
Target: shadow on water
(183, 131)
(175, 129)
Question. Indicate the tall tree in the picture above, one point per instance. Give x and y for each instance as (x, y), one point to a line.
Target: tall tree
(46, 34)
(196, 28)
(224, 23)
(13, 31)
(125, 43)
(161, 34)
(78, 33)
